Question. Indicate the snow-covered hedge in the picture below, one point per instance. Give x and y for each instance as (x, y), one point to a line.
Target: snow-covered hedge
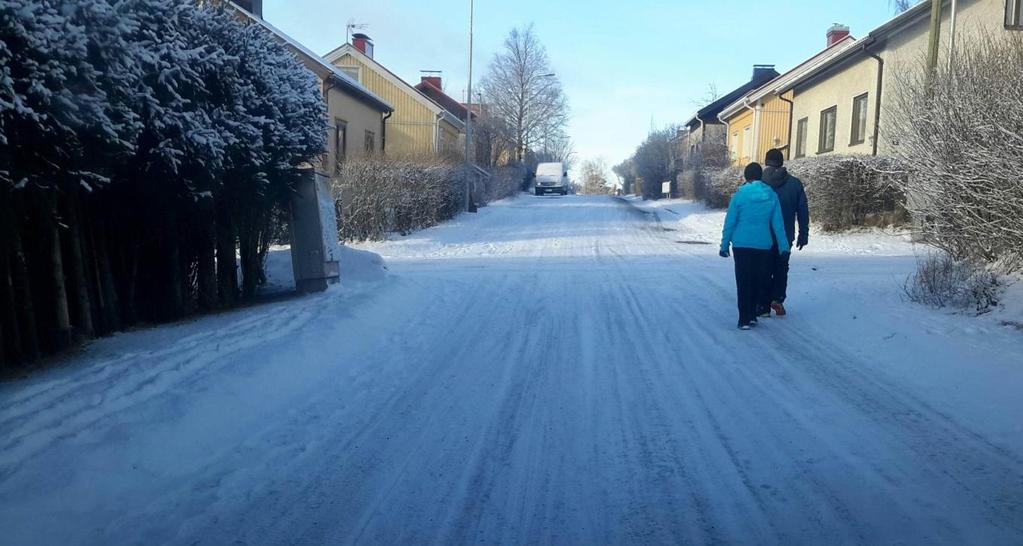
(843, 191)
(960, 133)
(144, 145)
(846, 191)
(379, 195)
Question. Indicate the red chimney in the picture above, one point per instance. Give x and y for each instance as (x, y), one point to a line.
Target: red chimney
(363, 44)
(837, 33)
(432, 80)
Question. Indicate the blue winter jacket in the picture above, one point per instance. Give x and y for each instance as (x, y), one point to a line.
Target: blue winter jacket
(753, 213)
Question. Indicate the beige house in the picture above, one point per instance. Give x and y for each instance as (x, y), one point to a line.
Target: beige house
(842, 105)
(419, 124)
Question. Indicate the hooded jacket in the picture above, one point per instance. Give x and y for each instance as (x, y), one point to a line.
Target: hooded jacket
(754, 214)
(792, 197)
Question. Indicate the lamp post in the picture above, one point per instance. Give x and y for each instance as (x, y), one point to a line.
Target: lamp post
(468, 119)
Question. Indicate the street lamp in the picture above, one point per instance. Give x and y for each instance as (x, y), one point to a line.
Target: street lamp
(468, 119)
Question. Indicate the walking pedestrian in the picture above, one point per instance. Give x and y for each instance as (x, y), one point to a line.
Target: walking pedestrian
(792, 197)
(752, 225)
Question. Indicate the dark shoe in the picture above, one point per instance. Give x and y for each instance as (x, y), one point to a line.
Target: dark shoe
(779, 309)
(764, 313)
(754, 323)
(744, 326)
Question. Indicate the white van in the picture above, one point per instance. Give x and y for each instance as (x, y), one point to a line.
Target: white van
(551, 178)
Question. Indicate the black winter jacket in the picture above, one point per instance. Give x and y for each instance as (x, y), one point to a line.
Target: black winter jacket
(793, 202)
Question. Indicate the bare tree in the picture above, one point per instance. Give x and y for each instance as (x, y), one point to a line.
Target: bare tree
(524, 94)
(900, 5)
(594, 177)
(709, 95)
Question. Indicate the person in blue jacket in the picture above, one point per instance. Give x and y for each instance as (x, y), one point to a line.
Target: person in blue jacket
(752, 225)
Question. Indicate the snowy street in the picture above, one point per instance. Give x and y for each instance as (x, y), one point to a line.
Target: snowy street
(556, 370)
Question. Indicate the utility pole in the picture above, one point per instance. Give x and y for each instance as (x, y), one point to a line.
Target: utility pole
(952, 37)
(468, 121)
(935, 37)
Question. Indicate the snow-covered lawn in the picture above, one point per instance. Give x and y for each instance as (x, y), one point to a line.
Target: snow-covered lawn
(551, 370)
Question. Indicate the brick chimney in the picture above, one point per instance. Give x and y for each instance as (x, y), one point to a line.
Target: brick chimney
(363, 44)
(254, 7)
(432, 80)
(837, 33)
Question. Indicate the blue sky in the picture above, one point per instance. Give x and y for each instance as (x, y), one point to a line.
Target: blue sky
(625, 66)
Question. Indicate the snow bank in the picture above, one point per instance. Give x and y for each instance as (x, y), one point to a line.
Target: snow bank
(357, 266)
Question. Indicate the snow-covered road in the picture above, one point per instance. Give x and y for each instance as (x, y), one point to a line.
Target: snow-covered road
(553, 370)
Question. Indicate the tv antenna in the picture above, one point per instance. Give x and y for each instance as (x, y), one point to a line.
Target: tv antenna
(352, 25)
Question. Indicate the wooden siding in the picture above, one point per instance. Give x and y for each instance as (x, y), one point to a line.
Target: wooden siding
(774, 125)
(740, 127)
(412, 128)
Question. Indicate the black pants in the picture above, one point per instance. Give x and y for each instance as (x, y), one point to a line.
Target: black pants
(779, 276)
(752, 280)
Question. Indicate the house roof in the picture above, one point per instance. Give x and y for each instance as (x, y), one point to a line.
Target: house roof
(349, 49)
(710, 112)
(343, 80)
(456, 108)
(782, 82)
(879, 34)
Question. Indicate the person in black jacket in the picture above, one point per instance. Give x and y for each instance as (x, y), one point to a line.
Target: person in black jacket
(793, 206)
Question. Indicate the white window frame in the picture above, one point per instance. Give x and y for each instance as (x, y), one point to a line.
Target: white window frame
(358, 71)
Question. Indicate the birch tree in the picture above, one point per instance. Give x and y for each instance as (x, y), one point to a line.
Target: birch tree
(523, 92)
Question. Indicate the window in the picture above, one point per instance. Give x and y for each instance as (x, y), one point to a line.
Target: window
(340, 140)
(859, 120)
(735, 146)
(351, 71)
(801, 137)
(1014, 14)
(370, 142)
(826, 143)
(747, 144)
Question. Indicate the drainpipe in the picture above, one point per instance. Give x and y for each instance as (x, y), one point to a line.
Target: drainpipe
(952, 36)
(728, 131)
(383, 132)
(755, 133)
(935, 36)
(877, 98)
(328, 85)
(436, 133)
(792, 112)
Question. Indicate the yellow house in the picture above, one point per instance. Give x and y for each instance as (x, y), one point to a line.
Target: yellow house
(419, 125)
(762, 119)
(842, 105)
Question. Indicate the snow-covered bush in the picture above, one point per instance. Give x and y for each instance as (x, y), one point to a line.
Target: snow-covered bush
(943, 281)
(379, 195)
(717, 185)
(504, 182)
(960, 133)
(846, 191)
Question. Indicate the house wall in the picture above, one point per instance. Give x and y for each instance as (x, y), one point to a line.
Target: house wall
(450, 139)
(774, 124)
(839, 90)
(738, 138)
(411, 129)
(359, 118)
(904, 51)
